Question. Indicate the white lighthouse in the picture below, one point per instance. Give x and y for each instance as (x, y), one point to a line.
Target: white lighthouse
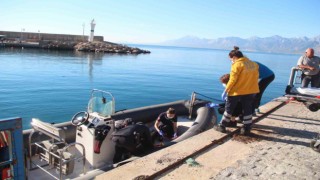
(93, 24)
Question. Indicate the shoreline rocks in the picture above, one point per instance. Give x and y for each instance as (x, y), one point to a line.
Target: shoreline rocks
(108, 47)
(96, 46)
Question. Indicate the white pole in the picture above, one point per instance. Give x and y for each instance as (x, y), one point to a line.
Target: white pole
(93, 24)
(83, 31)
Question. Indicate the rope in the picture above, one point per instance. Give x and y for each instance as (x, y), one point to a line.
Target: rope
(209, 97)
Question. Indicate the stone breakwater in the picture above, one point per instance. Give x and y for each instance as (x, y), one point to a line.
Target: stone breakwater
(104, 47)
(108, 47)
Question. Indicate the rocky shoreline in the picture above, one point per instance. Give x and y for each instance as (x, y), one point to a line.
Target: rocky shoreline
(103, 47)
(108, 47)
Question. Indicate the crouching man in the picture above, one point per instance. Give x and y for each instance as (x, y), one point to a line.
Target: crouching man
(166, 124)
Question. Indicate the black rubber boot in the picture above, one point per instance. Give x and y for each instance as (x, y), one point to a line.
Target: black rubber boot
(245, 130)
(232, 124)
(240, 119)
(221, 127)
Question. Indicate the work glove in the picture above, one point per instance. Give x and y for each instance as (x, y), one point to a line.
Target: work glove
(161, 133)
(212, 105)
(175, 136)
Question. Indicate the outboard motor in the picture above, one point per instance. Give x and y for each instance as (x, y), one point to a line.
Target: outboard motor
(100, 134)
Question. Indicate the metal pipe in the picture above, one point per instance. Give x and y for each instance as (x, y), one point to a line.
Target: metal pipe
(292, 75)
(30, 150)
(60, 166)
(6, 162)
(193, 98)
(83, 153)
(46, 171)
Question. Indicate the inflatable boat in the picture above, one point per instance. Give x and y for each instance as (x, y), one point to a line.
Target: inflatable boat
(99, 139)
(309, 96)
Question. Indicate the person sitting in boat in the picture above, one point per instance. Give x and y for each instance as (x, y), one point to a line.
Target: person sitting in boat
(309, 63)
(166, 124)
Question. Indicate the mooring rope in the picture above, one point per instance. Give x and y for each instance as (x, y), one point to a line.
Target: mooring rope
(209, 97)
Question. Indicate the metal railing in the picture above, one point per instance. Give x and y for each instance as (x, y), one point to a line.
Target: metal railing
(51, 155)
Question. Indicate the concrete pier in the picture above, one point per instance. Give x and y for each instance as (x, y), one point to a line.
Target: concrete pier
(279, 148)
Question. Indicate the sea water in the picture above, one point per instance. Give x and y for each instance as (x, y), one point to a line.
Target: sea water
(55, 85)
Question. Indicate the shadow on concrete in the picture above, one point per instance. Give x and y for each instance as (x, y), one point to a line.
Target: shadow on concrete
(308, 119)
(264, 132)
(301, 122)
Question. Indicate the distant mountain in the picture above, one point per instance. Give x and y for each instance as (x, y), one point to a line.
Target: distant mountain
(275, 44)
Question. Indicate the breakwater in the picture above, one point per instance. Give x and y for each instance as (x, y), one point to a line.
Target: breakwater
(63, 42)
(13, 36)
(103, 47)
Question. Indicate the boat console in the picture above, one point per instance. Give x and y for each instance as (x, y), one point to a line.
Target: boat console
(93, 145)
(94, 134)
(94, 128)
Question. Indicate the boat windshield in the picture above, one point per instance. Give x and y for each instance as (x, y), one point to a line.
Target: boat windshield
(102, 103)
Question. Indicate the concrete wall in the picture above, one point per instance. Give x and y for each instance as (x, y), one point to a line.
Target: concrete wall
(29, 36)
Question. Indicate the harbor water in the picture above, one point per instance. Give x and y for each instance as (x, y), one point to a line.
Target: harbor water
(54, 85)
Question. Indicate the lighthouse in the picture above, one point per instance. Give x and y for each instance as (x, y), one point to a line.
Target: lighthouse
(93, 24)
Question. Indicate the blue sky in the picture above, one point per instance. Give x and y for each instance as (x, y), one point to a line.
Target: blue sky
(151, 21)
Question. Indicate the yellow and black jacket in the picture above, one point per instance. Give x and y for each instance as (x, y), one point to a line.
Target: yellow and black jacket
(244, 78)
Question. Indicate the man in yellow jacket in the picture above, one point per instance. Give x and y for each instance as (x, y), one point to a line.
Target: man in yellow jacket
(242, 87)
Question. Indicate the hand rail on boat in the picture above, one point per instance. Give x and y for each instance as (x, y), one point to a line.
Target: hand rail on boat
(83, 157)
(193, 99)
(219, 100)
(52, 132)
(3, 163)
(292, 78)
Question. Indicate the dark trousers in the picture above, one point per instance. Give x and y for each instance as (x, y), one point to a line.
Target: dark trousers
(263, 84)
(167, 130)
(236, 112)
(231, 104)
(314, 79)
